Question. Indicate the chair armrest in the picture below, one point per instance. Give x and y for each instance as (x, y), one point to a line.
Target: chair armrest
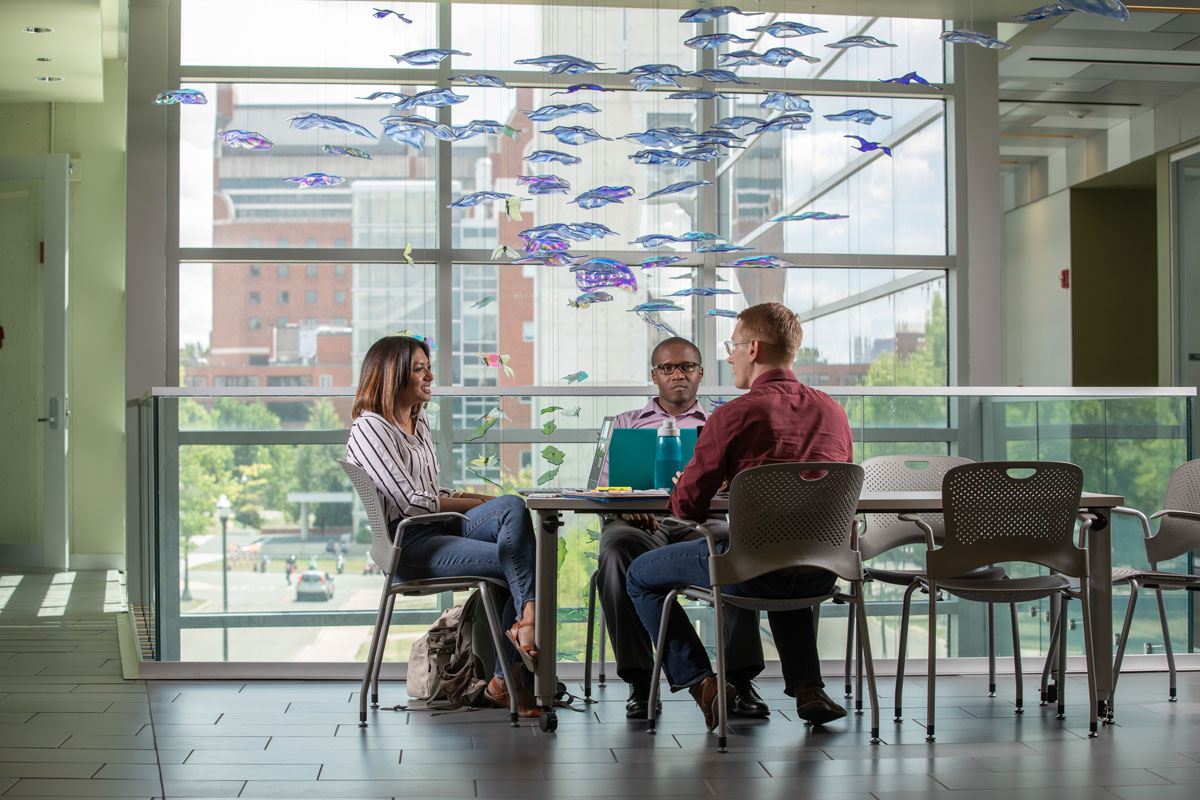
(1086, 521)
(923, 525)
(1188, 515)
(855, 528)
(698, 528)
(1133, 512)
(420, 519)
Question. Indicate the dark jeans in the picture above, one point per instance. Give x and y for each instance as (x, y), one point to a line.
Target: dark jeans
(686, 663)
(621, 543)
(498, 542)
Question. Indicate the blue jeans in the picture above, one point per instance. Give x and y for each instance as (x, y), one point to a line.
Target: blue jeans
(653, 575)
(498, 542)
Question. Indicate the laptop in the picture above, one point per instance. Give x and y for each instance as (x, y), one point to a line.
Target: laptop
(602, 447)
(631, 455)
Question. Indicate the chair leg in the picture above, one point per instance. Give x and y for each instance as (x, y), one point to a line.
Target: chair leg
(376, 645)
(722, 700)
(493, 618)
(378, 664)
(1162, 617)
(1124, 640)
(991, 638)
(902, 651)
(659, 647)
(1016, 637)
(1064, 610)
(860, 631)
(849, 652)
(931, 669)
(1093, 724)
(864, 638)
(591, 626)
(603, 641)
(1051, 661)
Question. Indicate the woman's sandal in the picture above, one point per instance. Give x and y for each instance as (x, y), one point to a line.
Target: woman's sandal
(527, 652)
(496, 692)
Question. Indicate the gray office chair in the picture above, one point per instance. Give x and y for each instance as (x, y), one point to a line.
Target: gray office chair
(994, 516)
(386, 554)
(778, 518)
(886, 532)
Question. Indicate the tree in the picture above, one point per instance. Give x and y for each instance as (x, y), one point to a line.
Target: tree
(315, 469)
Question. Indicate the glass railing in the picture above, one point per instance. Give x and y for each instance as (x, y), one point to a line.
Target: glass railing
(232, 590)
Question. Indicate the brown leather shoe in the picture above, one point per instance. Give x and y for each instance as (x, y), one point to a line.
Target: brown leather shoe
(814, 705)
(498, 694)
(705, 695)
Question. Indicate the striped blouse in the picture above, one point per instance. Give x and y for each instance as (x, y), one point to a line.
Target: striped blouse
(404, 467)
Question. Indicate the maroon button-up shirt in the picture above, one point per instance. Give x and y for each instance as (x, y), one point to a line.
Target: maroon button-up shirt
(780, 420)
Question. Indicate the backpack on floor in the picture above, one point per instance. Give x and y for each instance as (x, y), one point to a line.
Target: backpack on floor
(446, 664)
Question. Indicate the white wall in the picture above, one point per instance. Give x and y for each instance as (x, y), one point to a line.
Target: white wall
(1037, 311)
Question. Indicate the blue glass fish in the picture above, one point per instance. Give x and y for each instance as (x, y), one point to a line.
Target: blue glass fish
(491, 126)
(1105, 8)
(559, 64)
(720, 76)
(475, 198)
(721, 312)
(656, 305)
(328, 121)
(720, 247)
(697, 154)
(654, 240)
(649, 79)
(317, 179)
(587, 298)
(544, 184)
(819, 216)
(698, 236)
(859, 41)
(174, 97)
(699, 15)
(654, 156)
(482, 79)
(413, 137)
(598, 264)
(555, 111)
(597, 198)
(246, 140)
(862, 115)
(544, 156)
(424, 58)
(974, 37)
(414, 121)
(342, 150)
(782, 56)
(575, 377)
(550, 229)
(659, 261)
(734, 123)
(382, 13)
(787, 30)
(785, 122)
(654, 323)
(433, 98)
(910, 78)
(865, 147)
(579, 87)
(621, 278)
(760, 262)
(383, 96)
(675, 188)
(660, 69)
(699, 95)
(785, 102)
(700, 291)
(660, 137)
(711, 41)
(1044, 12)
(739, 58)
(723, 138)
(574, 134)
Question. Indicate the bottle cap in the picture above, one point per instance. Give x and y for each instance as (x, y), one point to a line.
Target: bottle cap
(668, 428)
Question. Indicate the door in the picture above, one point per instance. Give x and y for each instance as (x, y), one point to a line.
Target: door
(34, 530)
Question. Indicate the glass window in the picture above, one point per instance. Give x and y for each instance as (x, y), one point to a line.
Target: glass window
(283, 241)
(255, 298)
(339, 296)
(310, 270)
(281, 322)
(339, 270)
(282, 270)
(255, 270)
(339, 241)
(310, 241)
(310, 296)
(255, 323)
(325, 380)
(281, 297)
(527, 329)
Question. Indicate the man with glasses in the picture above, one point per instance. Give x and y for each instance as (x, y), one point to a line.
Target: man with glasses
(779, 420)
(676, 372)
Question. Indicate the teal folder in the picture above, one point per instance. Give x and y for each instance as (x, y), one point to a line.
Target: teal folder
(631, 455)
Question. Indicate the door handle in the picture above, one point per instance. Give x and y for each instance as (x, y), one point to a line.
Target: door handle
(52, 417)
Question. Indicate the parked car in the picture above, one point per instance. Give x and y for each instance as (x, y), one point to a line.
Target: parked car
(314, 584)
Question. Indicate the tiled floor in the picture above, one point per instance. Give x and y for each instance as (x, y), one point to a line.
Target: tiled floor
(71, 727)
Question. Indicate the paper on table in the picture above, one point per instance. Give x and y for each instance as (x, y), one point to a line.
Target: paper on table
(630, 495)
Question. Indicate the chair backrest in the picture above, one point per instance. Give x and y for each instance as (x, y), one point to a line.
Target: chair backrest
(780, 518)
(994, 516)
(368, 493)
(1178, 536)
(915, 473)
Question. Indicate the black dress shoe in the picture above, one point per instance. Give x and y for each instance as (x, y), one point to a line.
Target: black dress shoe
(638, 704)
(746, 703)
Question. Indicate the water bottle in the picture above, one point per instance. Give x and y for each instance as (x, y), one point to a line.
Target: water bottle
(668, 455)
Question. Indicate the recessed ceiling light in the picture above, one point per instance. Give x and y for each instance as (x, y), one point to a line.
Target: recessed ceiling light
(36, 29)
(47, 78)
(43, 58)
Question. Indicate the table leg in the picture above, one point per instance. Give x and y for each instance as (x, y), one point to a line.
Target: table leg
(546, 588)
(1100, 589)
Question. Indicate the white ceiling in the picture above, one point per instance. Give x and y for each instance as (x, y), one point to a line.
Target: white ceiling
(85, 32)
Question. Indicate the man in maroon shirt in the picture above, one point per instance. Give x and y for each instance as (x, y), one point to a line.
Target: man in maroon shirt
(779, 420)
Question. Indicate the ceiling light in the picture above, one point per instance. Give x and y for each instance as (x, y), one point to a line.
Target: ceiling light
(47, 78)
(36, 29)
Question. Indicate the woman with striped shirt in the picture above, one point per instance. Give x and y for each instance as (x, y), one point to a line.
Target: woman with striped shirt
(391, 440)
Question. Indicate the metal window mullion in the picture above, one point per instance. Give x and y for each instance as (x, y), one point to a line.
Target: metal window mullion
(167, 530)
(709, 203)
(444, 280)
(172, 189)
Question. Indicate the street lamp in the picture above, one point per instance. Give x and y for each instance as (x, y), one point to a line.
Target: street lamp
(186, 597)
(224, 512)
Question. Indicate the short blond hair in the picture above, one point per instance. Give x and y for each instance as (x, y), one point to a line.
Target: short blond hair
(776, 328)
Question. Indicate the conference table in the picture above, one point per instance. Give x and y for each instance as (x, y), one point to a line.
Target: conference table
(551, 507)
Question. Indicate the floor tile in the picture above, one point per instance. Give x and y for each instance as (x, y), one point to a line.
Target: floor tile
(361, 789)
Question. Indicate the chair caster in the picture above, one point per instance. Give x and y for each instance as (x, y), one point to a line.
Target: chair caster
(1019, 710)
(548, 721)
(362, 724)
(1060, 715)
(930, 738)
(991, 694)
(897, 719)
(875, 736)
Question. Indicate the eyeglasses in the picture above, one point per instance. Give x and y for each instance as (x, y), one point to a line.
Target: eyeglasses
(687, 368)
(732, 343)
